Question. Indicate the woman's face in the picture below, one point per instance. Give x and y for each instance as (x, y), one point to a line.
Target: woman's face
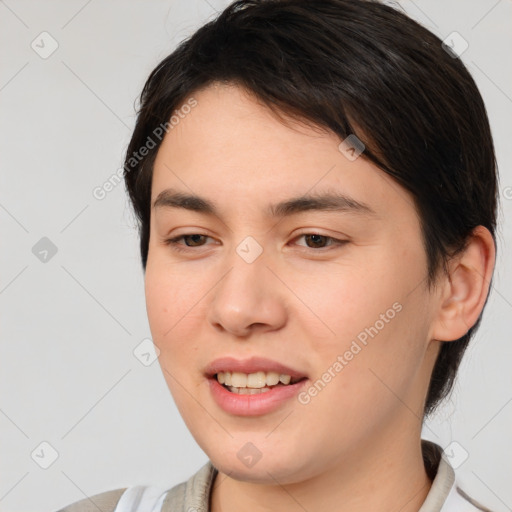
(335, 297)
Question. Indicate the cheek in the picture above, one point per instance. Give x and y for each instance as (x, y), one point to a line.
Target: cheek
(173, 303)
(336, 304)
(359, 387)
(173, 298)
(170, 297)
(365, 328)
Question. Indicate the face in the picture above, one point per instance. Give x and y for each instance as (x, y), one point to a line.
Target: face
(332, 294)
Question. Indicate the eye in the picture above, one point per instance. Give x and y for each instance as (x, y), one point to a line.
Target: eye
(195, 237)
(192, 240)
(319, 241)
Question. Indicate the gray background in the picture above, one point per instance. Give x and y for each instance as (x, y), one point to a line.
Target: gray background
(70, 324)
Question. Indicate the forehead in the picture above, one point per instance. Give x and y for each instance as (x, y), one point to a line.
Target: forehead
(231, 147)
(230, 123)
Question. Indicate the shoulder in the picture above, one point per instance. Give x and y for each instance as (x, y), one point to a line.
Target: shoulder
(105, 501)
(192, 494)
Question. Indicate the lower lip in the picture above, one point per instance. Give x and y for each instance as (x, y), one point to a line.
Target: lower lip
(253, 405)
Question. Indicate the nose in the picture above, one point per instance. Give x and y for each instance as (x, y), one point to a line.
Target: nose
(248, 298)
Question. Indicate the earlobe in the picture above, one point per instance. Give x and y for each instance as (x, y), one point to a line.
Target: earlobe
(466, 287)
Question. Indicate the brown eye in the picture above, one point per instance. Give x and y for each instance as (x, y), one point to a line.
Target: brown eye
(196, 238)
(191, 241)
(317, 240)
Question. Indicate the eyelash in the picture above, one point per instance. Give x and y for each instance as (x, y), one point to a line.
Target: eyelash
(173, 242)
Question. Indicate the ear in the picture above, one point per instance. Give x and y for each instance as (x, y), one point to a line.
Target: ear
(465, 288)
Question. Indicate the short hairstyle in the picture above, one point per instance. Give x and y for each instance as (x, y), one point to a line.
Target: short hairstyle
(353, 67)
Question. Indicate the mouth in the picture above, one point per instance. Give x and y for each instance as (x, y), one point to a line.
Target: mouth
(254, 383)
(254, 386)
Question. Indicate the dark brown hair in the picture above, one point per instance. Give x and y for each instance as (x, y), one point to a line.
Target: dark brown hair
(354, 67)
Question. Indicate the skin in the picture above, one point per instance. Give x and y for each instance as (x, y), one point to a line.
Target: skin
(356, 445)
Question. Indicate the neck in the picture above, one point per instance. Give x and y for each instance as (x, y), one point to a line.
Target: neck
(386, 476)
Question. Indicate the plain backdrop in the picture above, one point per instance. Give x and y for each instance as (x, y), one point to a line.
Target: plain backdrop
(79, 412)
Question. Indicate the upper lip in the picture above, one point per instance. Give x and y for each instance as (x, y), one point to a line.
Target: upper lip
(251, 365)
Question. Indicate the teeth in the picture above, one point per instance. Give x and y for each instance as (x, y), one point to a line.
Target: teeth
(257, 380)
(239, 380)
(285, 379)
(272, 378)
(248, 391)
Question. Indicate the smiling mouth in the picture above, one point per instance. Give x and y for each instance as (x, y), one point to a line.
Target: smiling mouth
(254, 383)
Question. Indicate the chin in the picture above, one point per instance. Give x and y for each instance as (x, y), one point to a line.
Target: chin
(262, 469)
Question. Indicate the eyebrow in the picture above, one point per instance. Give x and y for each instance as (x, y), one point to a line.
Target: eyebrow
(328, 201)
